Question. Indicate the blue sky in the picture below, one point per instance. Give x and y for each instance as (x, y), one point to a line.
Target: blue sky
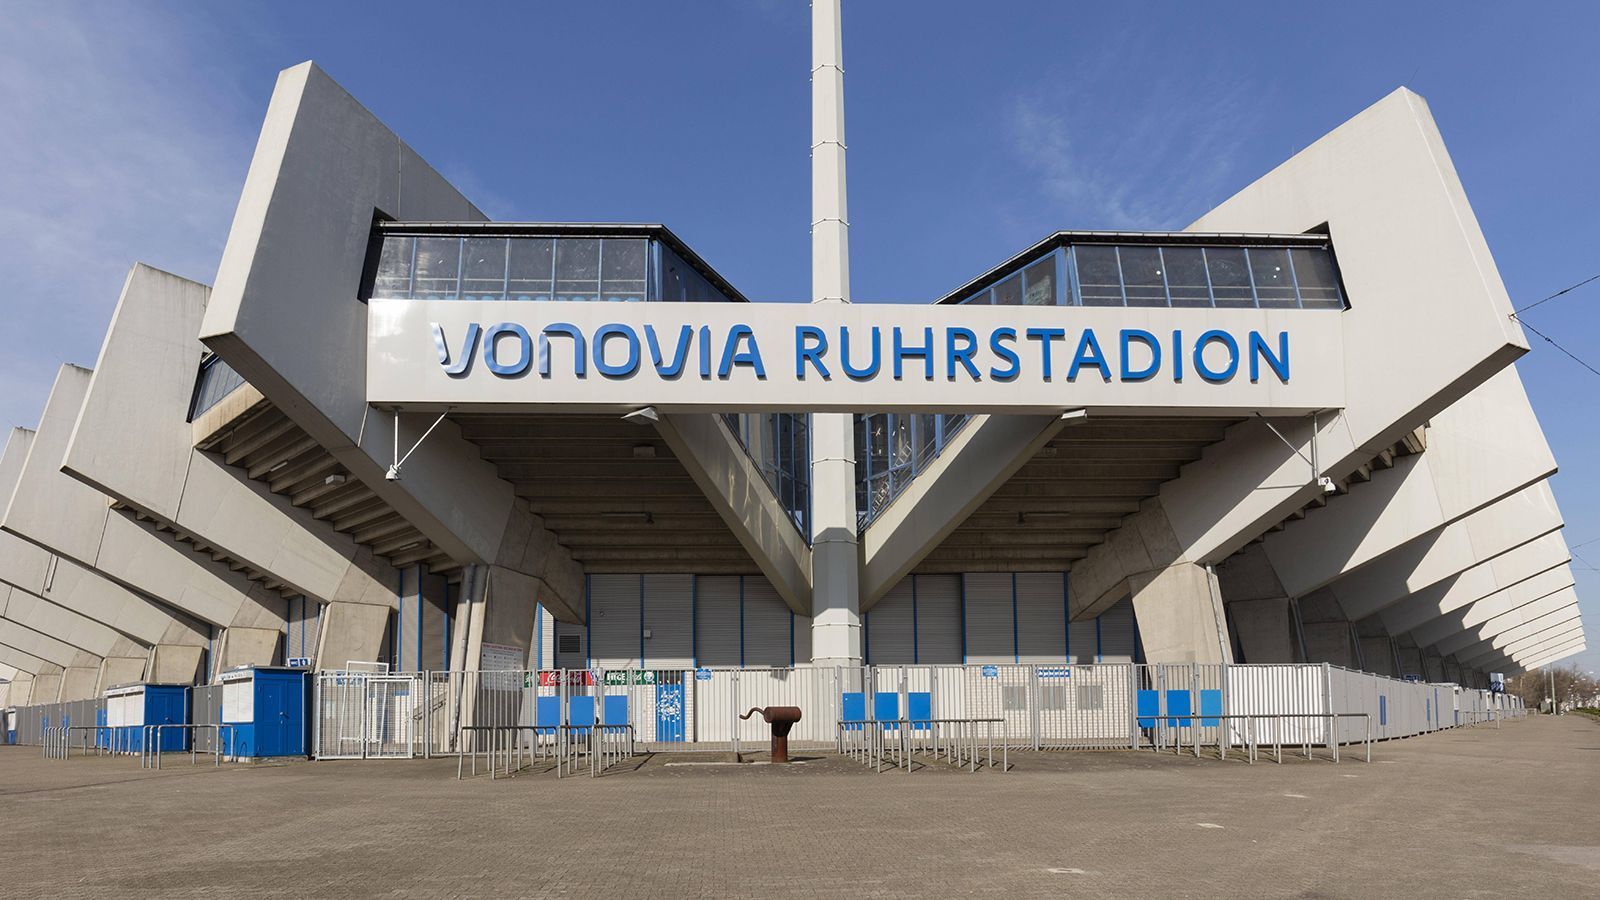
(974, 130)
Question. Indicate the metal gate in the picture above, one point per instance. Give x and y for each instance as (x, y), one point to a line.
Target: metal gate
(367, 716)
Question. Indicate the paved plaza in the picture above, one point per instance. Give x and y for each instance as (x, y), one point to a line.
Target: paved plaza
(1479, 812)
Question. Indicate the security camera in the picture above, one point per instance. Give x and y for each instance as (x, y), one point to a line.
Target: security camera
(1327, 485)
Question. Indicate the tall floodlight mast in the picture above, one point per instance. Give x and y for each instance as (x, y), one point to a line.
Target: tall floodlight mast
(835, 560)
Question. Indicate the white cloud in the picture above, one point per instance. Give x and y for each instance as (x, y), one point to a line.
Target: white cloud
(1105, 159)
(120, 142)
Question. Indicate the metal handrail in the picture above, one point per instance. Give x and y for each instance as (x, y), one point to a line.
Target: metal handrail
(866, 740)
(150, 758)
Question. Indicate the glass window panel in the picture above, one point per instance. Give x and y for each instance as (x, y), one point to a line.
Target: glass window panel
(394, 268)
(1098, 278)
(1141, 276)
(483, 269)
(927, 439)
(1009, 292)
(438, 265)
(1186, 276)
(622, 269)
(902, 446)
(531, 267)
(981, 298)
(1041, 283)
(1230, 279)
(1319, 284)
(577, 269)
(1274, 284)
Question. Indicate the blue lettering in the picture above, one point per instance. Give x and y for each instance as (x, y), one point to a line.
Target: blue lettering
(680, 354)
(810, 344)
(615, 330)
(1177, 356)
(962, 355)
(733, 356)
(1138, 335)
(1259, 350)
(491, 349)
(1004, 352)
(1044, 336)
(1089, 354)
(705, 351)
(580, 353)
(924, 352)
(871, 370)
(1213, 375)
(469, 348)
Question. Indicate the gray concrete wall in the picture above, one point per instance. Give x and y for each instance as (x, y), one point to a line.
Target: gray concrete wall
(140, 393)
(284, 314)
(74, 520)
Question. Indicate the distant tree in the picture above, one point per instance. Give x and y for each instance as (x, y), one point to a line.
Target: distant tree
(1573, 686)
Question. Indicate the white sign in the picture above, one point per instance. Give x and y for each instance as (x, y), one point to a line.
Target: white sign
(715, 357)
(239, 699)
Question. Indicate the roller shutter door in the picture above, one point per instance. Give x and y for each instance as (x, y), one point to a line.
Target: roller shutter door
(889, 638)
(767, 625)
(669, 617)
(990, 638)
(802, 640)
(716, 620)
(1081, 642)
(571, 650)
(614, 621)
(1116, 633)
(938, 619)
(1041, 617)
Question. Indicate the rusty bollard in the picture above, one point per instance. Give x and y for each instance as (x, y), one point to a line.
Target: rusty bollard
(781, 718)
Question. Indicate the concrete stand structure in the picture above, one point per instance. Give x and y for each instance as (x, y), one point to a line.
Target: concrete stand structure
(394, 431)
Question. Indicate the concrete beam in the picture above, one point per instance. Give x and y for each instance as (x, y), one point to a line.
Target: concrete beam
(744, 501)
(1556, 655)
(139, 395)
(1514, 627)
(69, 518)
(1542, 627)
(1555, 633)
(983, 455)
(1473, 584)
(1483, 447)
(1384, 185)
(69, 586)
(1535, 596)
(284, 314)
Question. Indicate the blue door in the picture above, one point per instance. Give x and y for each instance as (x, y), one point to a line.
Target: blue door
(669, 712)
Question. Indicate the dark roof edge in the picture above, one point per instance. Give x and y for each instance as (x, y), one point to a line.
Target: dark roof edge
(573, 229)
(1063, 238)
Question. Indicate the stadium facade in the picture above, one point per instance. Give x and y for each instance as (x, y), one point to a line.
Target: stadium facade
(394, 430)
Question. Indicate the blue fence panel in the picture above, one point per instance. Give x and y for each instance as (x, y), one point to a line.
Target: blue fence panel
(1149, 707)
(1210, 705)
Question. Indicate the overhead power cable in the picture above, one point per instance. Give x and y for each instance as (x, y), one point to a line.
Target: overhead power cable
(1552, 342)
(1557, 294)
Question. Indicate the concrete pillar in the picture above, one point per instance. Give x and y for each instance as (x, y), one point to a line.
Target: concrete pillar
(1179, 615)
(1265, 630)
(1410, 661)
(1377, 656)
(21, 690)
(1328, 634)
(246, 647)
(175, 664)
(120, 670)
(1432, 667)
(835, 554)
(46, 685)
(351, 632)
(79, 682)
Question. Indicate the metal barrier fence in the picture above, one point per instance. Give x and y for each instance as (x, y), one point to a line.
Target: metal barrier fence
(513, 714)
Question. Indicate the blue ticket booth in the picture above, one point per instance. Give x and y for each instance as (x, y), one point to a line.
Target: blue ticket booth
(131, 707)
(267, 708)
